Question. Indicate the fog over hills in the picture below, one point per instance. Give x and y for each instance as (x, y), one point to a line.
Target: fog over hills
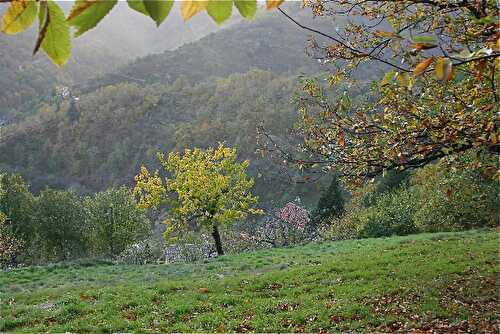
(122, 36)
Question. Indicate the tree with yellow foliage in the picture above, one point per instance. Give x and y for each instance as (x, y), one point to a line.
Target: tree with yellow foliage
(207, 189)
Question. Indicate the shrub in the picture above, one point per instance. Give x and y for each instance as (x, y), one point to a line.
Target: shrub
(115, 221)
(61, 226)
(9, 245)
(194, 247)
(283, 227)
(454, 198)
(150, 250)
(17, 203)
(445, 196)
(392, 214)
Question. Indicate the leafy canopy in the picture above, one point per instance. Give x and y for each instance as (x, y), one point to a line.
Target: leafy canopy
(54, 28)
(207, 188)
(438, 96)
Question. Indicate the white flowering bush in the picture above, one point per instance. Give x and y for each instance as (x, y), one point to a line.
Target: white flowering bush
(194, 248)
(142, 252)
(282, 227)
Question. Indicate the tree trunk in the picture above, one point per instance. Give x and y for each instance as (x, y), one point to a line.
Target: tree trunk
(218, 243)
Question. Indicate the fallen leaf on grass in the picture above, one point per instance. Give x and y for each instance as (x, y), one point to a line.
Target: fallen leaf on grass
(85, 298)
(275, 286)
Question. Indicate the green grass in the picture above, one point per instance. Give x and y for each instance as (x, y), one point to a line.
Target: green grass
(446, 281)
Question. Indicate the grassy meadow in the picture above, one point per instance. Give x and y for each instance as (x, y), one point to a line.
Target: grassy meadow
(441, 282)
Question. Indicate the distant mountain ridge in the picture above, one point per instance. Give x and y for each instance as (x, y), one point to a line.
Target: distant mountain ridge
(270, 43)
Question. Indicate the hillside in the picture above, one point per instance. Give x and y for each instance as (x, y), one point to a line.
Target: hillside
(430, 283)
(26, 79)
(105, 137)
(219, 88)
(270, 42)
(102, 56)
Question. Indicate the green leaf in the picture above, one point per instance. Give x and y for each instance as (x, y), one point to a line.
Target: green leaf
(158, 10)
(247, 8)
(19, 16)
(387, 34)
(428, 40)
(220, 10)
(190, 8)
(138, 5)
(86, 14)
(388, 78)
(54, 36)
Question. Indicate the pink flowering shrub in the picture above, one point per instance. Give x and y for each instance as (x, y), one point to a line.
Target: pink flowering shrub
(294, 215)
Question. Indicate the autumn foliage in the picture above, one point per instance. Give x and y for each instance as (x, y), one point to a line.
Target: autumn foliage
(436, 95)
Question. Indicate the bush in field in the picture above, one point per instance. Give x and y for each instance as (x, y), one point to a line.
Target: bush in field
(17, 203)
(115, 221)
(388, 182)
(195, 247)
(294, 215)
(149, 250)
(440, 197)
(9, 245)
(392, 214)
(283, 227)
(454, 198)
(61, 226)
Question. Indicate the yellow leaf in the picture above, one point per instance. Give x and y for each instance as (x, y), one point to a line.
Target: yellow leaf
(190, 8)
(420, 68)
(444, 69)
(79, 8)
(20, 16)
(403, 80)
(274, 3)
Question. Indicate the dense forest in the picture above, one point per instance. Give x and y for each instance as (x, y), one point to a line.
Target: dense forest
(102, 139)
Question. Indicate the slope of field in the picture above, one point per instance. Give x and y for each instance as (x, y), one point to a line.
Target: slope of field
(436, 283)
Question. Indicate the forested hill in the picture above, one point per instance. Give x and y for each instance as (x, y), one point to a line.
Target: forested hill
(218, 89)
(100, 57)
(120, 38)
(105, 138)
